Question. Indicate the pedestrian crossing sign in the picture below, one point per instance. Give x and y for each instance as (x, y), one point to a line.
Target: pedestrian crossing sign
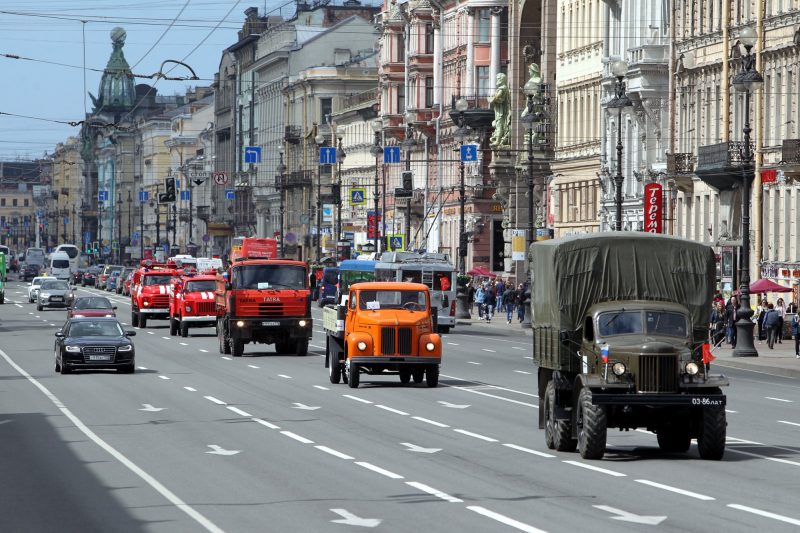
(358, 197)
(397, 242)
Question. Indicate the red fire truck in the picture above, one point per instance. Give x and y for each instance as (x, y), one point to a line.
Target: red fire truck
(150, 292)
(192, 302)
(266, 301)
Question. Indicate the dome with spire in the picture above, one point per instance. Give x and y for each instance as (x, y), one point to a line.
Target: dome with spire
(117, 91)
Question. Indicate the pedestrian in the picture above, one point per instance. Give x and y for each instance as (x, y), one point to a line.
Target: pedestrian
(780, 307)
(717, 325)
(771, 325)
(731, 316)
(470, 297)
(489, 301)
(792, 307)
(480, 297)
(796, 334)
(761, 310)
(521, 302)
(509, 300)
(499, 293)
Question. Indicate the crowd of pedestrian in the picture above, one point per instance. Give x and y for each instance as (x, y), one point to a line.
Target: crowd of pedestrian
(769, 319)
(491, 296)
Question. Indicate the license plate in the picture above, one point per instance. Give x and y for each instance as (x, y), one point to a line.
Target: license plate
(99, 358)
(270, 323)
(57, 299)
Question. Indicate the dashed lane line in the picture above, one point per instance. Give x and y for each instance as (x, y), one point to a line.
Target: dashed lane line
(320, 387)
(596, 468)
(264, 423)
(215, 400)
(765, 514)
(166, 338)
(488, 350)
(356, 398)
(522, 372)
(284, 376)
(190, 389)
(391, 409)
(379, 470)
(472, 363)
(254, 366)
(164, 377)
(453, 344)
(676, 490)
(333, 452)
(516, 524)
(142, 367)
(431, 422)
(475, 435)
(226, 358)
(239, 411)
(202, 350)
(777, 399)
(766, 457)
(509, 400)
(433, 492)
(789, 423)
(298, 438)
(183, 344)
(528, 450)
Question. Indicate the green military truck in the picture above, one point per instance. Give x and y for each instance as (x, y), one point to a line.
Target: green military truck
(619, 321)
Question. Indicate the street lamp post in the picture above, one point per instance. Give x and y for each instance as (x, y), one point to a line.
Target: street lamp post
(74, 214)
(462, 309)
(320, 140)
(280, 179)
(408, 144)
(747, 81)
(174, 245)
(141, 225)
(619, 69)
(530, 89)
(100, 228)
(130, 221)
(119, 227)
(340, 155)
(377, 127)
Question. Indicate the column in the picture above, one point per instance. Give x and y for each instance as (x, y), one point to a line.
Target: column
(470, 68)
(494, 64)
(437, 60)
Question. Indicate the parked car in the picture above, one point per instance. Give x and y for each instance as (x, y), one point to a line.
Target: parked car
(33, 288)
(122, 277)
(54, 293)
(90, 276)
(29, 271)
(91, 306)
(94, 343)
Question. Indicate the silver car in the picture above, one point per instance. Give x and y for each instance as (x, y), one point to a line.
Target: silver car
(54, 293)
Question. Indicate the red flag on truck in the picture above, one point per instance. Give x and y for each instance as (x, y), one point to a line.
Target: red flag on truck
(707, 357)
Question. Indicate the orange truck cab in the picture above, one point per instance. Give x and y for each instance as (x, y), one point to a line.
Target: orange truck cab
(266, 301)
(388, 329)
(150, 292)
(192, 303)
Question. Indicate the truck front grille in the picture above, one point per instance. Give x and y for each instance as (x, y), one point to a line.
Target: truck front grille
(206, 308)
(396, 341)
(160, 300)
(404, 341)
(272, 309)
(657, 373)
(387, 341)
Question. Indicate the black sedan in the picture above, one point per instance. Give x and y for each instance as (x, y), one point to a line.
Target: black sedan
(94, 343)
(28, 272)
(89, 276)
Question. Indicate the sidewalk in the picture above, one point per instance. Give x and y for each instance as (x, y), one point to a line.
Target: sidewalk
(779, 361)
(498, 324)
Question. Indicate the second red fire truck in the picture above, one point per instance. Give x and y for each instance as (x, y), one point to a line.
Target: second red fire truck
(192, 303)
(150, 292)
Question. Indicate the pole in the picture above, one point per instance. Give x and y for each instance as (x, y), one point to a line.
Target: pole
(383, 210)
(338, 231)
(409, 140)
(157, 210)
(282, 208)
(73, 223)
(618, 179)
(319, 214)
(191, 206)
(119, 227)
(530, 183)
(130, 221)
(174, 227)
(375, 228)
(141, 228)
(100, 228)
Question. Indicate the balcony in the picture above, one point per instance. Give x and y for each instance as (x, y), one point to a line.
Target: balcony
(790, 159)
(293, 134)
(680, 168)
(720, 165)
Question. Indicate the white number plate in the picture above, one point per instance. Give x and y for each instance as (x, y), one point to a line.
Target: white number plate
(270, 323)
(99, 358)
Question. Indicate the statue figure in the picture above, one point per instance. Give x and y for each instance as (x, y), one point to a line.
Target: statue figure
(533, 77)
(502, 116)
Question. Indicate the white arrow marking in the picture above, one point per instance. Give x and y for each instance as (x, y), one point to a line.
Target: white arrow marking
(453, 405)
(625, 516)
(349, 519)
(218, 450)
(150, 409)
(305, 407)
(420, 449)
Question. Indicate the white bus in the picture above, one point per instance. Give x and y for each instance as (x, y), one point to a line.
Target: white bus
(74, 254)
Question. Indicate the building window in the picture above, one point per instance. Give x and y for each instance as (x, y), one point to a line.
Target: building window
(401, 47)
(325, 107)
(429, 91)
(14, 202)
(484, 25)
(401, 99)
(482, 75)
(429, 38)
(26, 202)
(2, 202)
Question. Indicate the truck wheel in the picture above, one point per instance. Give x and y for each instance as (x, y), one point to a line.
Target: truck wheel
(301, 347)
(592, 426)
(2, 298)
(237, 347)
(418, 374)
(557, 433)
(184, 329)
(173, 326)
(134, 319)
(142, 321)
(334, 368)
(674, 438)
(432, 376)
(39, 307)
(223, 342)
(405, 376)
(444, 329)
(353, 375)
(711, 441)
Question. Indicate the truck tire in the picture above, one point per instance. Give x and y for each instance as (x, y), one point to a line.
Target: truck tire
(142, 321)
(301, 347)
(592, 426)
(711, 440)
(237, 347)
(2, 298)
(418, 374)
(224, 347)
(334, 368)
(184, 329)
(674, 438)
(173, 326)
(405, 376)
(444, 329)
(134, 319)
(353, 375)
(39, 307)
(432, 376)
(557, 433)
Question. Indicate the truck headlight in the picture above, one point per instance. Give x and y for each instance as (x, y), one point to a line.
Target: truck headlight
(73, 349)
(362, 345)
(240, 323)
(302, 323)
(691, 368)
(146, 303)
(618, 368)
(430, 346)
(188, 308)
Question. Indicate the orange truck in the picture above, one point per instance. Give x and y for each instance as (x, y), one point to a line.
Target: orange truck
(253, 248)
(264, 301)
(150, 288)
(383, 328)
(192, 303)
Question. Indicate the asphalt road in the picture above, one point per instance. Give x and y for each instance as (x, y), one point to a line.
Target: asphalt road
(198, 441)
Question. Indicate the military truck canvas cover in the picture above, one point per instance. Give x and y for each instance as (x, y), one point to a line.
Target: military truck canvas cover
(571, 274)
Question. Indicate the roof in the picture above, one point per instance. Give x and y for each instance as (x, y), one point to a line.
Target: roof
(250, 262)
(357, 265)
(388, 286)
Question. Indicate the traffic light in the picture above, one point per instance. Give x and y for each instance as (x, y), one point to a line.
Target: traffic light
(408, 180)
(336, 191)
(169, 195)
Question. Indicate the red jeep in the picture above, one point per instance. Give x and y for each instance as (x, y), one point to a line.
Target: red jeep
(192, 303)
(150, 292)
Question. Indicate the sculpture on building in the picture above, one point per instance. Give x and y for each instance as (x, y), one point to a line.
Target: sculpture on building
(501, 105)
(534, 77)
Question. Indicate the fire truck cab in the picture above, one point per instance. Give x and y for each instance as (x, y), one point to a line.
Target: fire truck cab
(150, 292)
(192, 302)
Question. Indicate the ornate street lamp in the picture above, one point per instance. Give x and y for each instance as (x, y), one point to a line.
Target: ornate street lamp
(408, 145)
(376, 150)
(530, 89)
(619, 69)
(280, 182)
(340, 155)
(320, 140)
(747, 81)
(460, 136)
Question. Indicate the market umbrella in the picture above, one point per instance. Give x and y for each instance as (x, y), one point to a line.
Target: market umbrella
(767, 285)
(480, 271)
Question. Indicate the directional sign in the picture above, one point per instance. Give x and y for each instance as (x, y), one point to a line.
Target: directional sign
(327, 155)
(391, 154)
(220, 178)
(102, 196)
(469, 152)
(150, 409)
(305, 407)
(230, 194)
(185, 195)
(87, 237)
(199, 174)
(358, 196)
(143, 196)
(252, 154)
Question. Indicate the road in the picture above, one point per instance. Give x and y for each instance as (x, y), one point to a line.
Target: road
(197, 441)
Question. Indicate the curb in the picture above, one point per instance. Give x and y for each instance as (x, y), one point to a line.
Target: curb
(755, 367)
(500, 327)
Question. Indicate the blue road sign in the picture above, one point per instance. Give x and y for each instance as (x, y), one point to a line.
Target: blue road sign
(185, 195)
(230, 194)
(106, 250)
(87, 237)
(143, 196)
(327, 155)
(102, 196)
(469, 152)
(27, 223)
(177, 183)
(66, 220)
(357, 197)
(252, 154)
(391, 154)
(396, 242)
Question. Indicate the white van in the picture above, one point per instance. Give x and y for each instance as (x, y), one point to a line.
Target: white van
(60, 265)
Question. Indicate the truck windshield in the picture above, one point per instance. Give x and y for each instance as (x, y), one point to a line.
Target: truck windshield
(410, 300)
(201, 285)
(620, 323)
(269, 277)
(666, 323)
(156, 280)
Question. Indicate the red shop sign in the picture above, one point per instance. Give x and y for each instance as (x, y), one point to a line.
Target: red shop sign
(653, 207)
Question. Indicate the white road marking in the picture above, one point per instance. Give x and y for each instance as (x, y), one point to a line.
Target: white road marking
(475, 435)
(166, 338)
(379, 470)
(729, 411)
(284, 376)
(488, 350)
(130, 465)
(419, 449)
(204, 351)
(226, 358)
(522, 372)
(239, 411)
(504, 519)
(317, 347)
(465, 389)
(142, 367)
(625, 516)
(453, 405)
(190, 389)
(265, 423)
(472, 363)
(496, 387)
(320, 387)
(215, 400)
(528, 450)
(297, 437)
(356, 398)
(36, 316)
(391, 410)
(777, 399)
(18, 305)
(349, 519)
(452, 344)
(219, 450)
(676, 490)
(305, 407)
(183, 344)
(254, 366)
(434, 492)
(787, 422)
(150, 333)
(333, 452)
(51, 324)
(164, 377)
(774, 459)
(431, 422)
(596, 468)
(517, 348)
(765, 514)
(742, 441)
(150, 409)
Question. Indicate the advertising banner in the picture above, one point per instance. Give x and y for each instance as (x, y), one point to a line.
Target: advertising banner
(653, 208)
(518, 245)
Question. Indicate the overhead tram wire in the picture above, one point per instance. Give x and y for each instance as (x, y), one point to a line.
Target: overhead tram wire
(163, 34)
